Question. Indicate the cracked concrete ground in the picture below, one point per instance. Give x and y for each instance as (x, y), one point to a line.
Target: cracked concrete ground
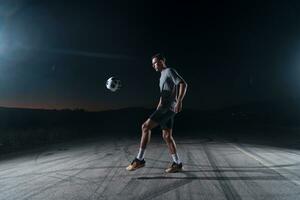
(213, 169)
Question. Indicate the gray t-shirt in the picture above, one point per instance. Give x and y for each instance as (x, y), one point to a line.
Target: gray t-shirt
(169, 79)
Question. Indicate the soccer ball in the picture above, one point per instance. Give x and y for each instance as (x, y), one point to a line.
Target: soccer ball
(113, 84)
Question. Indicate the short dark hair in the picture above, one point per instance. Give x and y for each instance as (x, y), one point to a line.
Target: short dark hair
(159, 56)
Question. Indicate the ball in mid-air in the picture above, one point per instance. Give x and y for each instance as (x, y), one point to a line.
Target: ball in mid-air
(113, 84)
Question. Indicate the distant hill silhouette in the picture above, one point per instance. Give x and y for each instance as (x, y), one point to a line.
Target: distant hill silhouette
(29, 127)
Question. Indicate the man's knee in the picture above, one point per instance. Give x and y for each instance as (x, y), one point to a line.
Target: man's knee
(148, 125)
(167, 136)
(145, 127)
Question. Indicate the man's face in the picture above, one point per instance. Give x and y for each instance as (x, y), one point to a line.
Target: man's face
(157, 64)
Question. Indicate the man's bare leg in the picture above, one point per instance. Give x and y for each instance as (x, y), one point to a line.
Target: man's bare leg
(167, 135)
(139, 161)
(146, 132)
(145, 138)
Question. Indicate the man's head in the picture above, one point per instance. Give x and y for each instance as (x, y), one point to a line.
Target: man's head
(158, 62)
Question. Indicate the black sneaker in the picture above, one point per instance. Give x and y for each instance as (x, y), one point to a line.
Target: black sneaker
(135, 164)
(174, 168)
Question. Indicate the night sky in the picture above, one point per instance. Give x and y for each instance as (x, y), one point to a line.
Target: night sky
(58, 54)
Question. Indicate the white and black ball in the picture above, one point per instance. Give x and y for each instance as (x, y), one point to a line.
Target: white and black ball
(113, 84)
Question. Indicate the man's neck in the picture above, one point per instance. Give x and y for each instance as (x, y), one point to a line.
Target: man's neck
(165, 67)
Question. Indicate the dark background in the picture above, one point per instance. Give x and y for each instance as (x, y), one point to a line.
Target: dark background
(239, 58)
(58, 54)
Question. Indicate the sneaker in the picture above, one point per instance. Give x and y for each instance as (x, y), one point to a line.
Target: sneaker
(174, 168)
(135, 164)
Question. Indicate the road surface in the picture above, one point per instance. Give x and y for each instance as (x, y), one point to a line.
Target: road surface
(213, 169)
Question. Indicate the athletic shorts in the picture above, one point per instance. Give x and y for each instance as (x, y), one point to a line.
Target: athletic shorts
(164, 117)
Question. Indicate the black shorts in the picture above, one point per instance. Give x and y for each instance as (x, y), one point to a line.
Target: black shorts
(164, 117)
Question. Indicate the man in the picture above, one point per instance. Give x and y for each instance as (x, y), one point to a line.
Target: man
(169, 104)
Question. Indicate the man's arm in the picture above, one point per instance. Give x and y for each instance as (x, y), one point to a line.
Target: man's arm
(178, 80)
(181, 94)
(182, 91)
(159, 104)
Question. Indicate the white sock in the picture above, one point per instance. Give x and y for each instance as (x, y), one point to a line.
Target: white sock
(175, 158)
(141, 153)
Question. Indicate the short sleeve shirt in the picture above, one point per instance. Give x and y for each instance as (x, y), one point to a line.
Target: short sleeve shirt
(168, 82)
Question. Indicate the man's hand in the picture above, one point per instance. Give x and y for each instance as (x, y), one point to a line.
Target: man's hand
(178, 107)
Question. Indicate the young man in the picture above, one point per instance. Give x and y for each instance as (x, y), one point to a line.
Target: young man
(169, 104)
